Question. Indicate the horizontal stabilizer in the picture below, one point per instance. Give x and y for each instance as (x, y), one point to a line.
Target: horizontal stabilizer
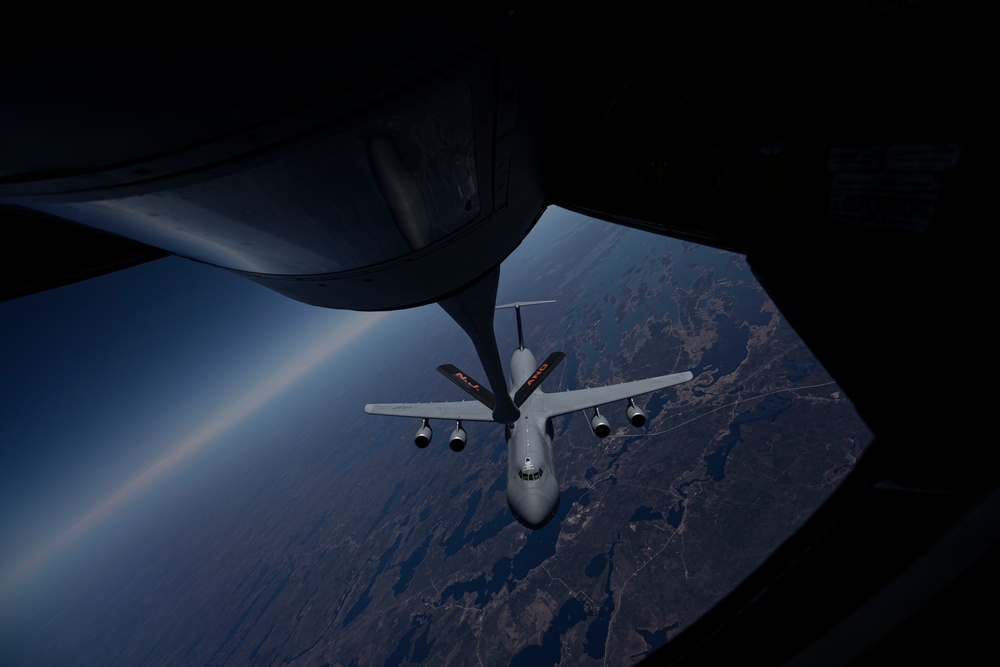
(482, 394)
(518, 304)
(532, 383)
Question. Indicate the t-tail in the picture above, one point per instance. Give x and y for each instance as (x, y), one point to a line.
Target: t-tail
(517, 309)
(546, 367)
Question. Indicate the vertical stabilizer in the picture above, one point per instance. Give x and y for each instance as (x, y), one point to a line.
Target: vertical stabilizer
(517, 310)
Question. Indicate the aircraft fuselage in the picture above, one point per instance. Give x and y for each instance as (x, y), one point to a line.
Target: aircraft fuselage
(532, 486)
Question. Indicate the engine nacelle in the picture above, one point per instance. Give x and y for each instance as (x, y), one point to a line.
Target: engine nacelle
(599, 425)
(424, 435)
(458, 437)
(635, 415)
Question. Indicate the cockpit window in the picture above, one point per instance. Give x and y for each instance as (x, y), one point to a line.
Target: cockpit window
(529, 475)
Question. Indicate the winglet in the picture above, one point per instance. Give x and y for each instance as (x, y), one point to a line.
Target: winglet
(532, 383)
(482, 394)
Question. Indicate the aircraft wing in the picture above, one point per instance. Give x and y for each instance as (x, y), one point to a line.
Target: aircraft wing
(458, 410)
(563, 402)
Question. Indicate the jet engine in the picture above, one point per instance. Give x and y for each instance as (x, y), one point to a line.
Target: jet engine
(424, 435)
(635, 415)
(599, 425)
(457, 442)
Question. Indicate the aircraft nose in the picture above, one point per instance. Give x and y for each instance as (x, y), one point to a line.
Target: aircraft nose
(532, 507)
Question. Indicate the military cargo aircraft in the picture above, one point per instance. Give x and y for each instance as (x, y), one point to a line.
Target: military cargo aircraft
(532, 484)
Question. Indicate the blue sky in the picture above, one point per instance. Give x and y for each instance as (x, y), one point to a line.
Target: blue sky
(117, 380)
